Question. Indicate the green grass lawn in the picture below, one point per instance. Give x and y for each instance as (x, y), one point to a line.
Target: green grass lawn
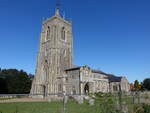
(31, 107)
(47, 107)
(57, 107)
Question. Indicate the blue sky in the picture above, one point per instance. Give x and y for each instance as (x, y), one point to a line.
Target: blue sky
(111, 35)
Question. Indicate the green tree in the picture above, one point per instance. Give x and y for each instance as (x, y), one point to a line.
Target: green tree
(146, 83)
(15, 82)
(137, 85)
(3, 86)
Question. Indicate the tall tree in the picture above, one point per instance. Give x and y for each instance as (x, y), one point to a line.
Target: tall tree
(137, 85)
(3, 86)
(146, 84)
(14, 81)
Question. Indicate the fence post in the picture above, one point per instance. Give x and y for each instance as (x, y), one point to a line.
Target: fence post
(64, 102)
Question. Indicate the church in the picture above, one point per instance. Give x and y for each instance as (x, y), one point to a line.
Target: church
(55, 72)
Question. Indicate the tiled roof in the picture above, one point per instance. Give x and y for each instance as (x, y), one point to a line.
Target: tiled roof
(98, 71)
(113, 78)
(74, 68)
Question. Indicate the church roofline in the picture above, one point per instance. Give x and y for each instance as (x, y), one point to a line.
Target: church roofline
(98, 71)
(113, 78)
(57, 17)
(110, 77)
(74, 68)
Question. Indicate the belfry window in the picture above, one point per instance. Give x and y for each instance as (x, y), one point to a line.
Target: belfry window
(48, 33)
(63, 33)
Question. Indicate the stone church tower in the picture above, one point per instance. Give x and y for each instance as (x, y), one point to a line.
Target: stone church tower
(54, 56)
(55, 72)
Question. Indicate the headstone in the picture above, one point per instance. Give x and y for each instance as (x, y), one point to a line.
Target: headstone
(79, 99)
(65, 99)
(86, 97)
(91, 102)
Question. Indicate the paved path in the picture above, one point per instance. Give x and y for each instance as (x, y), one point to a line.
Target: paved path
(23, 100)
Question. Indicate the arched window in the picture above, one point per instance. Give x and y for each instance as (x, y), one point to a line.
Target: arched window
(63, 33)
(48, 33)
